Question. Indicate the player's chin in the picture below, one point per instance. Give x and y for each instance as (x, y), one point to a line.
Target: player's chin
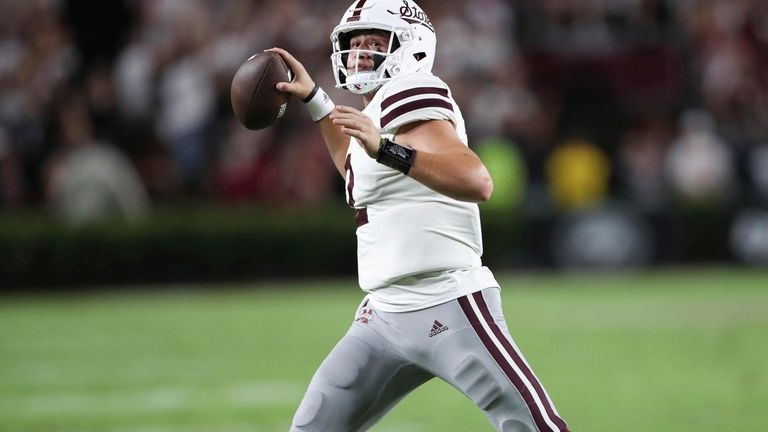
(359, 69)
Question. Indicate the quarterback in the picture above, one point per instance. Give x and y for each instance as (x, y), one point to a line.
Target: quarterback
(431, 308)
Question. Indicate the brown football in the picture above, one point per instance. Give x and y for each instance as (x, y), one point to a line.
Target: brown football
(255, 100)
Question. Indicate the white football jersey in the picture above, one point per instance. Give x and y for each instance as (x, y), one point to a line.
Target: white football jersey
(415, 247)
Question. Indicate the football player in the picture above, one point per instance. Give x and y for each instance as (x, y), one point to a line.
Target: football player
(432, 309)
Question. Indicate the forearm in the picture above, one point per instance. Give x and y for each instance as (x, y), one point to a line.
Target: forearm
(336, 142)
(460, 176)
(319, 106)
(443, 163)
(430, 152)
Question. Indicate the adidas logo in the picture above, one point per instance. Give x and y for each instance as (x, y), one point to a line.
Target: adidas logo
(437, 328)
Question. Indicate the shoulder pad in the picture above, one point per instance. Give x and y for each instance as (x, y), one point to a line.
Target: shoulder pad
(415, 98)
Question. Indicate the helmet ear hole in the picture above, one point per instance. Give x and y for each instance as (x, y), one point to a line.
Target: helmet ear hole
(378, 60)
(344, 41)
(395, 43)
(419, 56)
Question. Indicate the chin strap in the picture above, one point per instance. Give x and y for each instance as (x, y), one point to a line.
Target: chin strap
(362, 83)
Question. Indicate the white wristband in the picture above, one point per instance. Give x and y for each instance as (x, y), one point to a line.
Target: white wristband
(318, 103)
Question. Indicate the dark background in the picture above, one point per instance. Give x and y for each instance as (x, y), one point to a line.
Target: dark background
(620, 134)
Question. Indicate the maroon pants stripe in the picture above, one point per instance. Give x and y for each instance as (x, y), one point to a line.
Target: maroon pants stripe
(509, 370)
(517, 358)
(474, 320)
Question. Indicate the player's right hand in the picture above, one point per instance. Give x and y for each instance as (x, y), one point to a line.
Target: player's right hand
(302, 83)
(358, 125)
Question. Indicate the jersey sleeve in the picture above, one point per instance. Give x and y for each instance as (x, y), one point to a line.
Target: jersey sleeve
(416, 98)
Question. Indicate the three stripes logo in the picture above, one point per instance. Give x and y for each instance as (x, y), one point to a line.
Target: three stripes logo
(437, 328)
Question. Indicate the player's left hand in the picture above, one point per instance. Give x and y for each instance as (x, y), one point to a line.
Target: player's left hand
(358, 125)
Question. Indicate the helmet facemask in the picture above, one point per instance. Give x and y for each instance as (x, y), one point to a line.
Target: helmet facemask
(364, 81)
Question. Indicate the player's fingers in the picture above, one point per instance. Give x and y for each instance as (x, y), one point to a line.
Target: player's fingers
(348, 109)
(301, 84)
(355, 115)
(294, 64)
(352, 132)
(347, 123)
(287, 87)
(357, 121)
(341, 115)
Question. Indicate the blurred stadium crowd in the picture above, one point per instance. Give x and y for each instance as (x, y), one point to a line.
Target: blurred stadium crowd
(124, 103)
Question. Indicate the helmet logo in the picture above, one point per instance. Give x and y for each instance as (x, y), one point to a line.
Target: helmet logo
(413, 15)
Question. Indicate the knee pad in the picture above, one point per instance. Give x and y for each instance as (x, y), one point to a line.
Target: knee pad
(477, 382)
(514, 425)
(493, 393)
(346, 363)
(315, 413)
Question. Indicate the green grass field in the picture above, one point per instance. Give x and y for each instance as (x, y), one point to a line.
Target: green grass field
(653, 351)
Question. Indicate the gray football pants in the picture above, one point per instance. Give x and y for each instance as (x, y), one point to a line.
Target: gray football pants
(384, 356)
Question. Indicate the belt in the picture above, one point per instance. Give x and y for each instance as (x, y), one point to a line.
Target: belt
(361, 217)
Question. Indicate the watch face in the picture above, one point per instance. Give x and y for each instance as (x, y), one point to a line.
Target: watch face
(396, 156)
(396, 150)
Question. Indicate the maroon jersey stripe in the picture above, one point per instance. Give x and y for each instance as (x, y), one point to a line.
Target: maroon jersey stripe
(351, 183)
(356, 14)
(413, 106)
(412, 92)
(361, 217)
(508, 370)
(516, 357)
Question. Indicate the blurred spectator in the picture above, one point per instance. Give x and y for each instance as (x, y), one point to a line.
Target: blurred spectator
(37, 61)
(578, 174)
(246, 170)
(155, 78)
(185, 91)
(88, 180)
(748, 237)
(11, 183)
(758, 169)
(640, 164)
(699, 165)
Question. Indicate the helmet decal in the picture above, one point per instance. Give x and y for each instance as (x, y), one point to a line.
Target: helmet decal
(412, 15)
(356, 14)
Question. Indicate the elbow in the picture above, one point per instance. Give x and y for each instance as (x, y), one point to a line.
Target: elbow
(475, 191)
(479, 185)
(484, 189)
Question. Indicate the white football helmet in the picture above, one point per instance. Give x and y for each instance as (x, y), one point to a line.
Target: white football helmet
(411, 43)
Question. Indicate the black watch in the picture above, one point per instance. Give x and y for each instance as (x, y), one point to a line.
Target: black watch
(395, 156)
